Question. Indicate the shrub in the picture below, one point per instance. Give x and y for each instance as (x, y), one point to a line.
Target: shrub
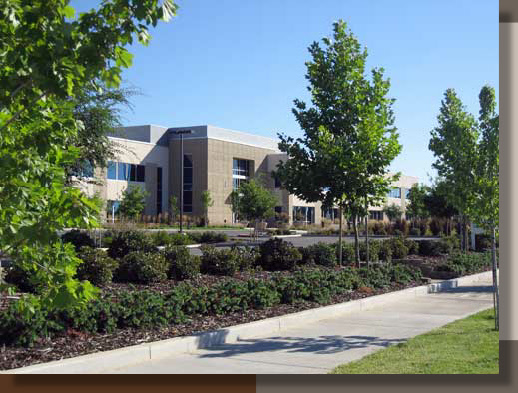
(320, 254)
(402, 227)
(160, 238)
(469, 263)
(247, 256)
(78, 239)
(374, 249)
(125, 242)
(412, 246)
(347, 253)
(415, 231)
(449, 244)
(436, 226)
(97, 266)
(182, 265)
(219, 262)
(385, 250)
(399, 249)
(180, 239)
(142, 268)
(20, 278)
(378, 228)
(277, 254)
(429, 247)
(483, 242)
(208, 237)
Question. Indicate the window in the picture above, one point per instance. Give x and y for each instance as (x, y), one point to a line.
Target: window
(123, 171)
(112, 207)
(407, 193)
(187, 183)
(236, 183)
(159, 190)
(330, 213)
(241, 167)
(277, 182)
(395, 193)
(303, 214)
(112, 170)
(141, 173)
(376, 215)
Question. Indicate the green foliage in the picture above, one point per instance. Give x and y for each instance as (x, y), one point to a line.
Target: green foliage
(206, 202)
(48, 58)
(78, 239)
(429, 248)
(349, 135)
(219, 262)
(320, 254)
(385, 250)
(182, 265)
(277, 254)
(97, 266)
(133, 202)
(412, 246)
(180, 239)
(393, 212)
(253, 202)
(248, 256)
(160, 238)
(416, 207)
(124, 242)
(142, 268)
(208, 237)
(399, 248)
(468, 263)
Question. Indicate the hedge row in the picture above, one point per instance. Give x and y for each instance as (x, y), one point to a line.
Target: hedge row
(143, 309)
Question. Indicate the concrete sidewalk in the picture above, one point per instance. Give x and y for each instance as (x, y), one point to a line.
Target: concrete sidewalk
(320, 346)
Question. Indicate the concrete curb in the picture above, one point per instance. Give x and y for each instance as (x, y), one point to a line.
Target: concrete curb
(101, 361)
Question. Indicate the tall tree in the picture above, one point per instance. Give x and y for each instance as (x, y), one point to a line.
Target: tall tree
(47, 57)
(416, 207)
(486, 203)
(349, 134)
(454, 144)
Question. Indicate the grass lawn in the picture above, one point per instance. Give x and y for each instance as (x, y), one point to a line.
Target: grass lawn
(467, 346)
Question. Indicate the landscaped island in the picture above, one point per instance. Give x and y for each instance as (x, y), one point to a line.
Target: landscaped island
(149, 294)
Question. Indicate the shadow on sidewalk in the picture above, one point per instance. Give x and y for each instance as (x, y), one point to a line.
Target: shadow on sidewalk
(466, 289)
(316, 345)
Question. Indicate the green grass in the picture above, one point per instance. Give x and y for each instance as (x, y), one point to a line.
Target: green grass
(467, 346)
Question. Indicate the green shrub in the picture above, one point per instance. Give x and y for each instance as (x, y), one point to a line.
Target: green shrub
(247, 256)
(385, 250)
(160, 238)
(449, 244)
(20, 278)
(142, 268)
(276, 254)
(208, 237)
(483, 242)
(320, 254)
(180, 239)
(219, 262)
(78, 239)
(97, 266)
(429, 247)
(436, 226)
(374, 277)
(182, 265)
(374, 249)
(125, 242)
(347, 253)
(412, 246)
(399, 249)
(415, 231)
(469, 263)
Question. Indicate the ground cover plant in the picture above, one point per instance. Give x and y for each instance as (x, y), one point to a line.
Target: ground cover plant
(467, 346)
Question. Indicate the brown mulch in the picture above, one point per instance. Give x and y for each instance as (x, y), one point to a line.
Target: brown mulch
(75, 343)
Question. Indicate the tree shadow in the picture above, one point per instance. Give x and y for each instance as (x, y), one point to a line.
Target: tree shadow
(317, 345)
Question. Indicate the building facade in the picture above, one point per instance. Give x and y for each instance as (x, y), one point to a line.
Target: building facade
(214, 159)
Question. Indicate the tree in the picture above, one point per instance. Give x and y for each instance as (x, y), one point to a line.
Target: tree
(48, 56)
(100, 112)
(349, 134)
(133, 202)
(206, 202)
(393, 212)
(485, 209)
(253, 202)
(416, 207)
(437, 204)
(454, 144)
(173, 207)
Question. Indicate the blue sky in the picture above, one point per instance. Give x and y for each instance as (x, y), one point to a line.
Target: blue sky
(239, 64)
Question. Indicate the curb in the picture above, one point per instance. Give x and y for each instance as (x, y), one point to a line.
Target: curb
(101, 361)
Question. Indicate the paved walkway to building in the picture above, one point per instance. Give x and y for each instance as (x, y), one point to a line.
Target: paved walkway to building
(319, 347)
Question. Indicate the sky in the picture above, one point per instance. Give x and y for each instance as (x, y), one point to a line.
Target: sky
(239, 64)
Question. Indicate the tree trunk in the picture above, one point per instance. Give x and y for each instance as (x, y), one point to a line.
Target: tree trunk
(367, 234)
(495, 280)
(340, 236)
(356, 241)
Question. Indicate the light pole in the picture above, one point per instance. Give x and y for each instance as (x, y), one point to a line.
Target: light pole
(181, 133)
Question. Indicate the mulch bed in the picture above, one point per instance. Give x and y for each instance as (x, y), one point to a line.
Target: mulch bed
(75, 343)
